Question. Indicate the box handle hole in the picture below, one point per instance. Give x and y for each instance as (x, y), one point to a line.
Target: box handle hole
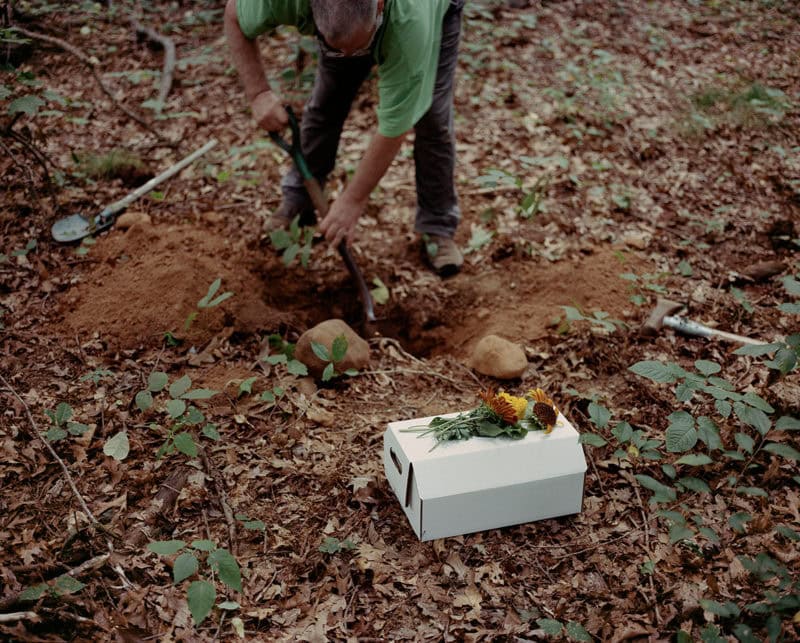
(396, 461)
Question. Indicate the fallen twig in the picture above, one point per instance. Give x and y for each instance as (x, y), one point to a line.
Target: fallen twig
(223, 501)
(18, 616)
(168, 69)
(163, 502)
(92, 66)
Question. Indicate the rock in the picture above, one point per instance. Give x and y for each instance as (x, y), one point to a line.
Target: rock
(638, 240)
(499, 358)
(357, 355)
(131, 218)
(320, 416)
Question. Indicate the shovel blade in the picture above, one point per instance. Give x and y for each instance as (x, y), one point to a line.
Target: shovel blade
(77, 226)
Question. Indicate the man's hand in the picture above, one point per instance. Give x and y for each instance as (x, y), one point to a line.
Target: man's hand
(340, 222)
(269, 113)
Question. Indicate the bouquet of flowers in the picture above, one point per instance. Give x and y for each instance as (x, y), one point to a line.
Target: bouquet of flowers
(499, 414)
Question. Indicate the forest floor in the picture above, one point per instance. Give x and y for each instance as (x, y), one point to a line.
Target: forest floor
(609, 153)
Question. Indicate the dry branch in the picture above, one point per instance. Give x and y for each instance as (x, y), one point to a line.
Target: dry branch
(223, 501)
(163, 502)
(92, 66)
(18, 616)
(170, 58)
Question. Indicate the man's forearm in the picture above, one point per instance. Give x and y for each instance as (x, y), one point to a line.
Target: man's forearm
(245, 54)
(373, 166)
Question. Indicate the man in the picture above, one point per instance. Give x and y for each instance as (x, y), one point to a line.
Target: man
(414, 44)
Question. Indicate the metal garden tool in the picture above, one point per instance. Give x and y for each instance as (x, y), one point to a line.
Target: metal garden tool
(321, 206)
(663, 315)
(77, 226)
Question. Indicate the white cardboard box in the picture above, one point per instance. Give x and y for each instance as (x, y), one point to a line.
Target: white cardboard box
(466, 486)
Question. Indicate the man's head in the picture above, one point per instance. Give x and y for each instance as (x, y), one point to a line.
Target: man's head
(347, 26)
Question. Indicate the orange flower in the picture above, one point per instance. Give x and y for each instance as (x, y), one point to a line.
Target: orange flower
(500, 406)
(544, 409)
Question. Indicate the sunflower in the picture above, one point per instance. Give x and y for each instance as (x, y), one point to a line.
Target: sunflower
(519, 403)
(500, 406)
(544, 409)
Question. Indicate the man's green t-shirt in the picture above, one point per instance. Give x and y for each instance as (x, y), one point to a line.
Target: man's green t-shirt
(407, 51)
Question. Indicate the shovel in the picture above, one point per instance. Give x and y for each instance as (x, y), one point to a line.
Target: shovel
(321, 206)
(77, 226)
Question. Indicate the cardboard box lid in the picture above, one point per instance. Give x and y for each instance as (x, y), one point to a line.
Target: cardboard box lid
(484, 463)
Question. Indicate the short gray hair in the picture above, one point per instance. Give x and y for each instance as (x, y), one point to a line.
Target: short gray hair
(339, 19)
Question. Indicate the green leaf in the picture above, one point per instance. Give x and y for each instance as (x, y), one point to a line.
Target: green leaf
(752, 491)
(339, 348)
(783, 450)
(706, 367)
(787, 423)
(118, 446)
(623, 432)
(297, 368)
(199, 394)
(279, 358)
(280, 239)
(708, 433)
(29, 105)
(328, 373)
(201, 596)
(792, 309)
(752, 417)
(321, 351)
(757, 350)
(599, 415)
(247, 386)
(726, 610)
(254, 525)
(203, 545)
(212, 290)
(723, 408)
(577, 632)
(653, 370)
(63, 413)
(228, 605)
(184, 442)
(669, 470)
(216, 302)
(685, 268)
(166, 547)
(694, 460)
(791, 285)
(176, 408)
(380, 294)
(34, 593)
(550, 626)
(744, 633)
(144, 400)
(77, 428)
(156, 381)
(186, 565)
(661, 492)
(710, 534)
(268, 396)
(54, 434)
(784, 531)
(681, 434)
(758, 402)
(223, 562)
(66, 584)
(592, 439)
(210, 431)
(180, 387)
(785, 361)
(351, 372)
(744, 441)
(194, 416)
(678, 533)
(693, 484)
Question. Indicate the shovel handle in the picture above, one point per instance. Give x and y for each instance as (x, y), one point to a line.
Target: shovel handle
(690, 327)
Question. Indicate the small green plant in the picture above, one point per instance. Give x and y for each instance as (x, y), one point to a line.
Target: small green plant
(573, 630)
(61, 424)
(479, 239)
(201, 594)
(336, 354)
(180, 415)
(294, 242)
(250, 524)
(531, 198)
(640, 285)
(208, 301)
(97, 375)
(284, 355)
(598, 319)
(333, 545)
(380, 293)
(63, 585)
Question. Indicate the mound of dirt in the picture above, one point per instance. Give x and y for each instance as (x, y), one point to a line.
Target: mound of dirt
(148, 281)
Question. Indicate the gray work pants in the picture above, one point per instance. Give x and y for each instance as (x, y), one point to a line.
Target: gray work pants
(335, 86)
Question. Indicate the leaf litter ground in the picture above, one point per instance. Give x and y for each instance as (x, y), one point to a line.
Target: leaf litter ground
(643, 177)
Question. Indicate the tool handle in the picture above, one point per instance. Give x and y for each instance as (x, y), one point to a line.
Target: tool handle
(123, 203)
(689, 327)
